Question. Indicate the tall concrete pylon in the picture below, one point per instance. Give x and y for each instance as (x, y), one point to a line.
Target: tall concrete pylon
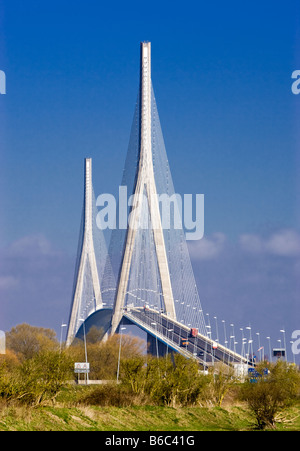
(145, 186)
(87, 261)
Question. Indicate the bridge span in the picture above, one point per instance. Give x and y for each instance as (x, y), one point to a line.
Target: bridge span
(165, 334)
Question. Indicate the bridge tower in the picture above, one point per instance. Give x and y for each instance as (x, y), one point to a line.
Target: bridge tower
(86, 281)
(145, 187)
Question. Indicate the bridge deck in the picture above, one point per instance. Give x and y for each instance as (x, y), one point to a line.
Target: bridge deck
(171, 333)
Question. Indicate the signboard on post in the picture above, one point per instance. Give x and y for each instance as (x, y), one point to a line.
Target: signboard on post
(81, 367)
(278, 352)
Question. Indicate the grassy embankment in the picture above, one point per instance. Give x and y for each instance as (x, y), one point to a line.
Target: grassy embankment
(69, 416)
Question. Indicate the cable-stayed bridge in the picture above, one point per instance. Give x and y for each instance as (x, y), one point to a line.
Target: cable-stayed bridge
(145, 276)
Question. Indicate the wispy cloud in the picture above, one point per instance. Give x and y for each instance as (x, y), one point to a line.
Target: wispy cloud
(32, 244)
(284, 243)
(208, 248)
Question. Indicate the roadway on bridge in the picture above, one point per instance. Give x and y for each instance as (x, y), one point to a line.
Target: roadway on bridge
(173, 334)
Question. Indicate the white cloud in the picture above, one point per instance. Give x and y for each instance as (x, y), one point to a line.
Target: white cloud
(207, 248)
(285, 243)
(31, 244)
(251, 243)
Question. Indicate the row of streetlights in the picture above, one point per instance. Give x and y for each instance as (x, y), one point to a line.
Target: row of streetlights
(232, 343)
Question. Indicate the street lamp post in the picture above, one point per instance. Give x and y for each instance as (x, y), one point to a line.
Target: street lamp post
(270, 352)
(250, 341)
(233, 338)
(208, 321)
(242, 350)
(119, 358)
(60, 342)
(217, 330)
(85, 348)
(259, 350)
(294, 360)
(225, 339)
(209, 333)
(284, 343)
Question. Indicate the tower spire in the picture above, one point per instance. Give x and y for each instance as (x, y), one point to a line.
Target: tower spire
(87, 273)
(145, 186)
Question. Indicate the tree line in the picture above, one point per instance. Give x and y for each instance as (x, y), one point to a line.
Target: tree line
(37, 368)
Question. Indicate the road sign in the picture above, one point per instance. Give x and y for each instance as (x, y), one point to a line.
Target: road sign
(81, 367)
(278, 352)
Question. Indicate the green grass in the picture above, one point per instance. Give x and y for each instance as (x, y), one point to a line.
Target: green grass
(69, 414)
(145, 418)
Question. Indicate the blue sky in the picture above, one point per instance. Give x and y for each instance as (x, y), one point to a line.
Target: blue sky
(222, 79)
